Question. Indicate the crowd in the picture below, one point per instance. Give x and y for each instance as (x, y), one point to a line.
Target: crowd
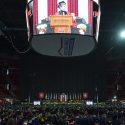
(61, 115)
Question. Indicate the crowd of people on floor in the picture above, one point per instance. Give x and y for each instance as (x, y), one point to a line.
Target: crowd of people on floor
(61, 115)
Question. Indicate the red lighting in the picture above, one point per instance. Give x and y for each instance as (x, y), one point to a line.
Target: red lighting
(41, 95)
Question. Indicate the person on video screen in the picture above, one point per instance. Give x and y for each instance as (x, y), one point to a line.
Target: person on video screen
(62, 8)
(79, 24)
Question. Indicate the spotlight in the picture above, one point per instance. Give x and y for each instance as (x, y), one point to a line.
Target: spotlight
(122, 34)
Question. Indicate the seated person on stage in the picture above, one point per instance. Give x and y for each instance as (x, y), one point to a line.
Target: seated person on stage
(79, 24)
(44, 26)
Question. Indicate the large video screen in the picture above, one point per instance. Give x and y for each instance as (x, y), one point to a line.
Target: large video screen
(68, 27)
(63, 16)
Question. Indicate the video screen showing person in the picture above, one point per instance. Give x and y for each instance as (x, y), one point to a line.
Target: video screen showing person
(62, 16)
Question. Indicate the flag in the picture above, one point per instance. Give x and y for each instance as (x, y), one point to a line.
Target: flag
(70, 96)
(117, 87)
(78, 96)
(56, 96)
(46, 96)
(85, 95)
(75, 97)
(51, 96)
(96, 89)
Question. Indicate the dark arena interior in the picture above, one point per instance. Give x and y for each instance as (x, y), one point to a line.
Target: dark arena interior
(84, 88)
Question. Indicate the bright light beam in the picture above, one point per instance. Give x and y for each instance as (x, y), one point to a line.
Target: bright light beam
(122, 34)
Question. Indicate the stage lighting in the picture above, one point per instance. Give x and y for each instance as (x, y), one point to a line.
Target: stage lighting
(122, 34)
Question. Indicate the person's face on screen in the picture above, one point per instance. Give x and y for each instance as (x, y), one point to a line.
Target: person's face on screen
(63, 7)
